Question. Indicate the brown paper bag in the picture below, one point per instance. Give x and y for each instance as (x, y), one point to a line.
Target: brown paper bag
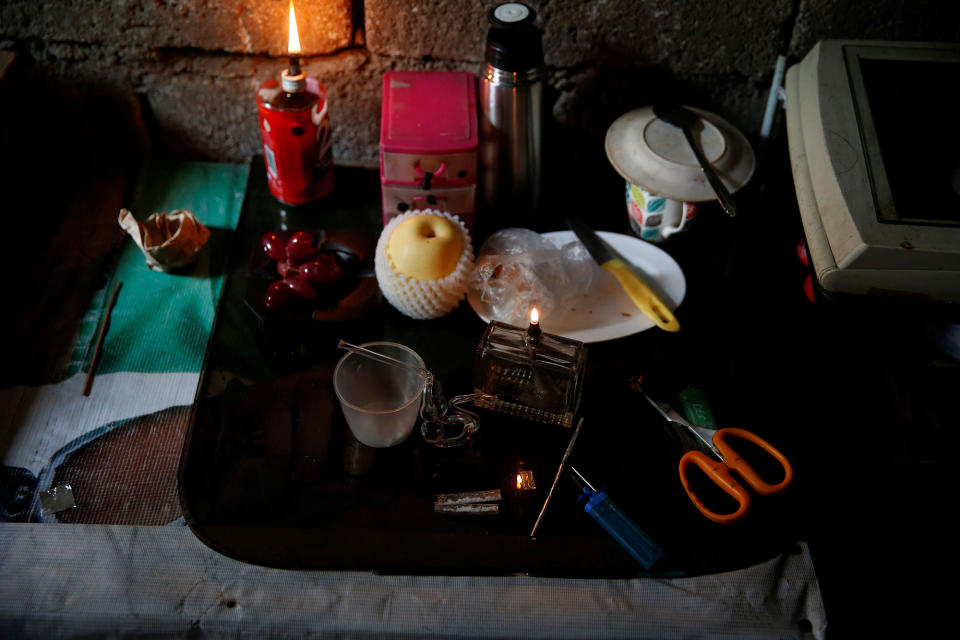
(169, 241)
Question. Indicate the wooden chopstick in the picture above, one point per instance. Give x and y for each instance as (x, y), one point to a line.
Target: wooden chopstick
(103, 330)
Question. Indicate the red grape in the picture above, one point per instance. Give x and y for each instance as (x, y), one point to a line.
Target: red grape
(301, 287)
(273, 246)
(299, 246)
(324, 269)
(277, 294)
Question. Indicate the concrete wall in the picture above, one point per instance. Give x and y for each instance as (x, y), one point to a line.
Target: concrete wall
(179, 76)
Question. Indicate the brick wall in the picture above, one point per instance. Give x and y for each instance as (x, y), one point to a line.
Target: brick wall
(179, 76)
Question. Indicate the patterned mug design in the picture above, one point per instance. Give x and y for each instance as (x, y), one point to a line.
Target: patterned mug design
(656, 218)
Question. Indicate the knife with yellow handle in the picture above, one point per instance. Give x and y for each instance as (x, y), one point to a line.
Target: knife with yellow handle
(626, 274)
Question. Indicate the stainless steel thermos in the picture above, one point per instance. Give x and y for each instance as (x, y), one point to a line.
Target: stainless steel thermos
(511, 100)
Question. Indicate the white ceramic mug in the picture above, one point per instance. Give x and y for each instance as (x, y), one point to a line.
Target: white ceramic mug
(656, 218)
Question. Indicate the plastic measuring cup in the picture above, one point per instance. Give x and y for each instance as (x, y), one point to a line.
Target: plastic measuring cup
(380, 400)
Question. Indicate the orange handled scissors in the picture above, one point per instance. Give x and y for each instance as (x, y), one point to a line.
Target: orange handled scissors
(729, 460)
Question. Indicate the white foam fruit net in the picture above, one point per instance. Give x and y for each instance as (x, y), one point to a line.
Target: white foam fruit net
(423, 299)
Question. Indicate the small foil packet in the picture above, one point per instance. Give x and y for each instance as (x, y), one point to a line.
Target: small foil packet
(487, 507)
(59, 498)
(468, 497)
(468, 502)
(169, 241)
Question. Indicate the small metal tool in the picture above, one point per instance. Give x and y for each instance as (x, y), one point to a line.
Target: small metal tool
(563, 463)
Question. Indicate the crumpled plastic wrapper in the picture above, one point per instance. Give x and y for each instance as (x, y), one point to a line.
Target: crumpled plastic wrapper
(517, 269)
(169, 241)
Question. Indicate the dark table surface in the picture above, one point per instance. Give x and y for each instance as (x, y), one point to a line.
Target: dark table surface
(852, 390)
(250, 473)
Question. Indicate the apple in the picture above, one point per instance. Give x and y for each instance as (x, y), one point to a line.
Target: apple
(425, 247)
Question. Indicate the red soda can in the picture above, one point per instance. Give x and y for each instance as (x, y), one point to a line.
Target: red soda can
(295, 128)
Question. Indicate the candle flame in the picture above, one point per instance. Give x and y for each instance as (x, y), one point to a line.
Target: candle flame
(519, 481)
(293, 41)
(534, 315)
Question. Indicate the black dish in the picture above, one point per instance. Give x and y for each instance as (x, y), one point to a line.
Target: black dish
(300, 323)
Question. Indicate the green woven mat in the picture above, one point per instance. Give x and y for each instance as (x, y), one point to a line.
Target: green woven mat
(161, 322)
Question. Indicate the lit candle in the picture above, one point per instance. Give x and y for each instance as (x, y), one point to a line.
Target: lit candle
(525, 480)
(293, 36)
(295, 128)
(534, 329)
(293, 79)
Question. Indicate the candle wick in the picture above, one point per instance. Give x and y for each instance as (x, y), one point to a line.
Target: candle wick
(534, 330)
(293, 79)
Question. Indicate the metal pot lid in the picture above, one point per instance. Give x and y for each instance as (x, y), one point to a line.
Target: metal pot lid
(653, 154)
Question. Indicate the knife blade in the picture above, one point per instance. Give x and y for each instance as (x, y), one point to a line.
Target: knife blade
(626, 274)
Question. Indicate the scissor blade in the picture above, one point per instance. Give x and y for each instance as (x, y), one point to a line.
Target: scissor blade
(663, 409)
(703, 437)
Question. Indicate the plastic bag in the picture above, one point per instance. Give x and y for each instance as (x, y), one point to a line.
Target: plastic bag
(517, 269)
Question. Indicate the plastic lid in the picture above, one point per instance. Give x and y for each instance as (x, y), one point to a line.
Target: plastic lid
(428, 112)
(513, 41)
(510, 13)
(654, 154)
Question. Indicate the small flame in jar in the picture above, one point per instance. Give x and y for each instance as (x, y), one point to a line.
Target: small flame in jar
(525, 480)
(293, 41)
(533, 331)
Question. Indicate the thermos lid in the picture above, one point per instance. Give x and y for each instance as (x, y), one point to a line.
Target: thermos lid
(513, 41)
(511, 14)
(653, 154)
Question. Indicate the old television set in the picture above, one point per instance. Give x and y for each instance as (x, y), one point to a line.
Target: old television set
(873, 132)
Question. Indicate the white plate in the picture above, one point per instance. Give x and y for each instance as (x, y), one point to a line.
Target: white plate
(606, 313)
(655, 155)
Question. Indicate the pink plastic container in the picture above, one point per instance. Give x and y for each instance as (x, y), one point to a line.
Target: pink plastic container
(428, 143)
